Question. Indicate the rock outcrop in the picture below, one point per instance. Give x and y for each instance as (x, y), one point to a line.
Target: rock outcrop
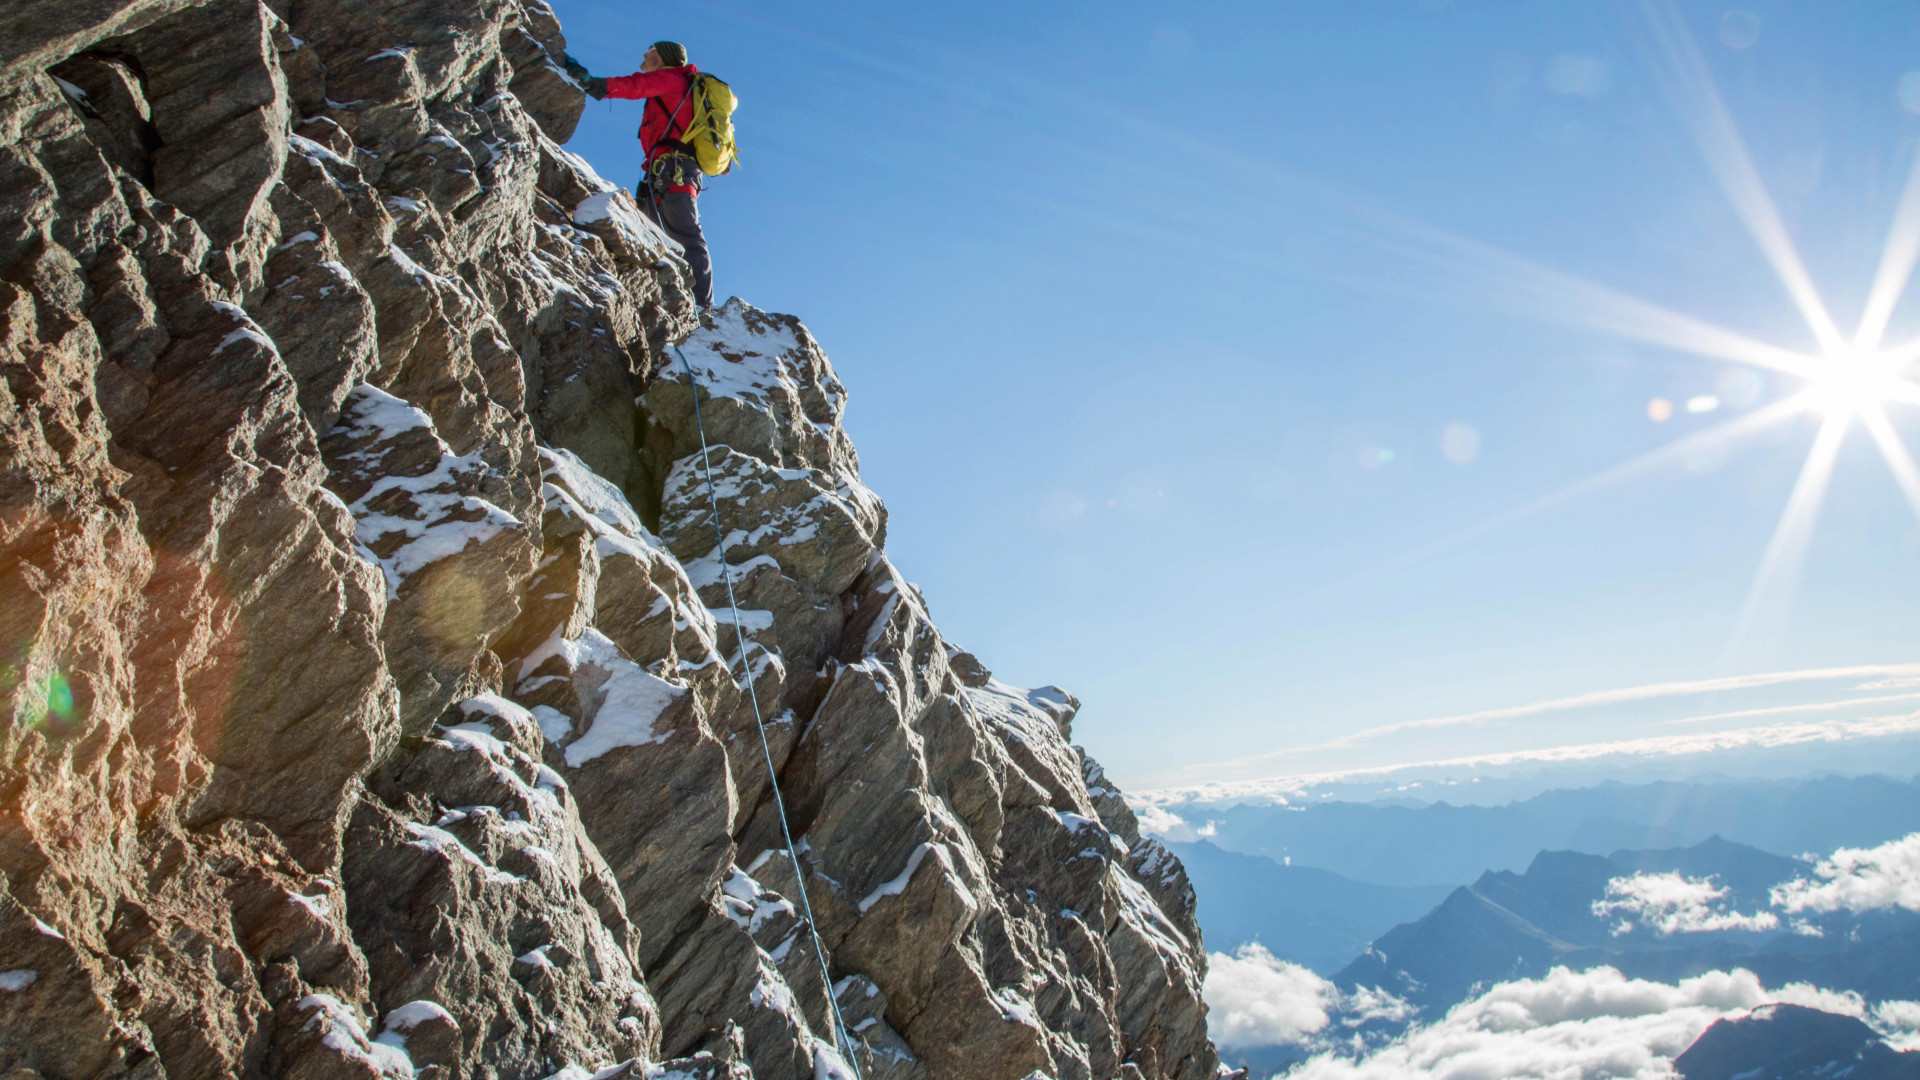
(374, 703)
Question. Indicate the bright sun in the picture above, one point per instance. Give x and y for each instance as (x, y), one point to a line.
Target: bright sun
(1851, 384)
(1844, 381)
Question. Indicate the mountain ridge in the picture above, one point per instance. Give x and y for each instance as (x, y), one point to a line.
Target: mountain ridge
(1570, 909)
(1313, 917)
(1444, 844)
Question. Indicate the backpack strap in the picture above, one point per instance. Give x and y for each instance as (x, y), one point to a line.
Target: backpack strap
(674, 116)
(667, 144)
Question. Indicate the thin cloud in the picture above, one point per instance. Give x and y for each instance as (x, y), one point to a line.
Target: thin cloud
(1594, 699)
(1780, 710)
(1772, 736)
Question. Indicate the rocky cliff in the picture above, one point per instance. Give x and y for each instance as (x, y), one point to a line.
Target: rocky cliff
(373, 704)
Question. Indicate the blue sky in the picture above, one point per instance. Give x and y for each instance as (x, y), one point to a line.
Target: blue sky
(1157, 319)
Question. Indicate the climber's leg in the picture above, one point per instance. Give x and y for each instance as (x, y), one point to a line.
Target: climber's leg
(680, 217)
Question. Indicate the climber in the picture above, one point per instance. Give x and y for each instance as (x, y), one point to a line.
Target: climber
(673, 177)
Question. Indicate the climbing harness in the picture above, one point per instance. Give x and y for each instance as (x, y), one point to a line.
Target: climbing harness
(759, 722)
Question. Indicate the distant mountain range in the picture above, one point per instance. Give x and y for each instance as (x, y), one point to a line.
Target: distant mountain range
(1314, 918)
(1581, 911)
(1442, 844)
(1374, 896)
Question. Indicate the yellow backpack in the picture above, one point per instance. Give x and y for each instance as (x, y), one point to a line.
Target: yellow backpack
(709, 134)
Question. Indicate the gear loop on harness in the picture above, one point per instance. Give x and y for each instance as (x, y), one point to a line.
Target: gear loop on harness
(842, 1036)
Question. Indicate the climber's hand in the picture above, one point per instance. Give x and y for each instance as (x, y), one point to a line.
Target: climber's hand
(597, 89)
(576, 69)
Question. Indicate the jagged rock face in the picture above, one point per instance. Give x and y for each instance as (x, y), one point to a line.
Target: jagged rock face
(375, 706)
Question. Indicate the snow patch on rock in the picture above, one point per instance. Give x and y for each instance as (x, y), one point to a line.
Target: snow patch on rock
(632, 698)
(342, 1031)
(619, 208)
(416, 520)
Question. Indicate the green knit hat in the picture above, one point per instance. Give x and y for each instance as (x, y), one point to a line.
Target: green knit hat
(672, 53)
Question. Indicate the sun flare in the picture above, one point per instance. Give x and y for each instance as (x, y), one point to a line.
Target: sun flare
(1850, 383)
(1843, 382)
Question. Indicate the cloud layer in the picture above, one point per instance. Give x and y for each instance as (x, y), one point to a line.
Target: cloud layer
(1163, 823)
(1569, 1026)
(1255, 999)
(1671, 904)
(1566, 1026)
(1858, 879)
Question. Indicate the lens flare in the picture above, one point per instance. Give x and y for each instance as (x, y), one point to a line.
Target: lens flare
(48, 699)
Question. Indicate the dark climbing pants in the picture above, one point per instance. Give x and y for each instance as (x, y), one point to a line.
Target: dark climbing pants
(679, 214)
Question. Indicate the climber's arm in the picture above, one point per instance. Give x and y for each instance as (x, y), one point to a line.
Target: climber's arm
(646, 84)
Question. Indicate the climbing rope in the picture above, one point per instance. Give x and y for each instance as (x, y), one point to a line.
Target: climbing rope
(759, 722)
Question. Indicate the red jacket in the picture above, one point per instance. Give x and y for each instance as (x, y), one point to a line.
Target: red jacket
(666, 89)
